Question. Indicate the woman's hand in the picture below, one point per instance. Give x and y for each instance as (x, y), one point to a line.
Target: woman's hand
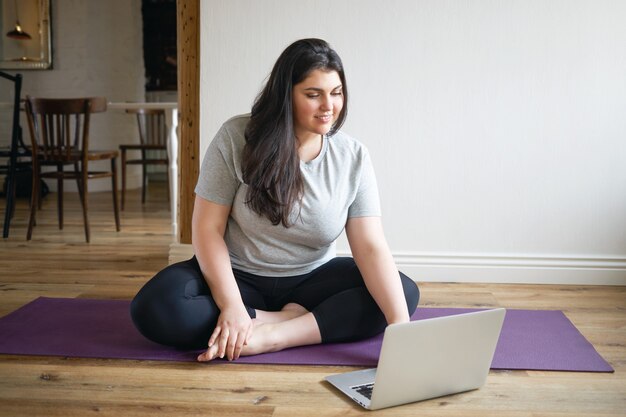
(234, 327)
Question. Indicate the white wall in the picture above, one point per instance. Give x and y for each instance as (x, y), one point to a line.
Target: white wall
(97, 51)
(497, 128)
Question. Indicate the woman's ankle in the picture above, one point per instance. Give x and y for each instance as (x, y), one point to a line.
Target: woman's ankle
(295, 308)
(264, 339)
(272, 337)
(288, 312)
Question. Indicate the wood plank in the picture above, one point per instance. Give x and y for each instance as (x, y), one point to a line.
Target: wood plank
(61, 408)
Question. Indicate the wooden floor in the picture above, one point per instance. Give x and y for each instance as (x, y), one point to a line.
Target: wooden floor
(115, 265)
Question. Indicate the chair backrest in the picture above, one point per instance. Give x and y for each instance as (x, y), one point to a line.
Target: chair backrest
(151, 123)
(59, 128)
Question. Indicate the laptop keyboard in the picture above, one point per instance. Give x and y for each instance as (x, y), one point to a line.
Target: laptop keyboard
(365, 390)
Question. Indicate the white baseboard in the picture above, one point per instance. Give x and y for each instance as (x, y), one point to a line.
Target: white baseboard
(493, 268)
(513, 269)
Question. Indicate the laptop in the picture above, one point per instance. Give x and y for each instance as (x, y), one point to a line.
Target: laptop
(427, 359)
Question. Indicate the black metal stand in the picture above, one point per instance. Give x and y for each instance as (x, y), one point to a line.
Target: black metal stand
(17, 145)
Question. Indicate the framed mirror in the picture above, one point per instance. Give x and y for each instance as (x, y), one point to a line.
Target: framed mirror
(26, 41)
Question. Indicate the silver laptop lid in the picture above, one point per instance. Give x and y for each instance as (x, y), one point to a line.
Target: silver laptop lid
(435, 357)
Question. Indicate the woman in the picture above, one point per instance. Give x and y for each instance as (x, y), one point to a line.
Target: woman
(276, 189)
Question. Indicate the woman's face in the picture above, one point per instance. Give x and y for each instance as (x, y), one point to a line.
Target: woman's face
(317, 101)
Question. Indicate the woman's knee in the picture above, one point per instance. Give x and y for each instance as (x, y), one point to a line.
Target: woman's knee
(168, 283)
(411, 292)
(165, 309)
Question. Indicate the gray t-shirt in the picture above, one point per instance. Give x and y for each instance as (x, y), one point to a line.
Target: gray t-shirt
(339, 183)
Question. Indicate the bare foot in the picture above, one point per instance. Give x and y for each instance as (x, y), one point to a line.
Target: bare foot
(261, 341)
(271, 337)
(264, 339)
(209, 355)
(301, 330)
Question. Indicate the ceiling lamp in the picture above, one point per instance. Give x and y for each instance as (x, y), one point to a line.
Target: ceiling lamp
(17, 32)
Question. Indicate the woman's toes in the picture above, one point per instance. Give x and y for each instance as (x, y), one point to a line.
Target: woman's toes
(209, 354)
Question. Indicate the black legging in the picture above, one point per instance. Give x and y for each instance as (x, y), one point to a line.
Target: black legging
(175, 307)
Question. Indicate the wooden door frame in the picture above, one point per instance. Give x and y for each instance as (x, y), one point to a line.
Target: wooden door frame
(188, 45)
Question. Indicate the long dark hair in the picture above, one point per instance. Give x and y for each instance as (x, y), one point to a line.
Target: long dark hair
(271, 166)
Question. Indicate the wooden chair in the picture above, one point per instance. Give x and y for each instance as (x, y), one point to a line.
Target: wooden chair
(59, 131)
(152, 139)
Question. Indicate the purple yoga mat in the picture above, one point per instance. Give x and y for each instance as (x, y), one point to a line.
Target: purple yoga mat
(530, 339)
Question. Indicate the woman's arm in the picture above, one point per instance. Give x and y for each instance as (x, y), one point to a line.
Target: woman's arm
(373, 258)
(234, 324)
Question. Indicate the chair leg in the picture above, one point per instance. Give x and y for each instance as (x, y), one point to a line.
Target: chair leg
(60, 195)
(84, 200)
(114, 188)
(34, 202)
(10, 205)
(144, 181)
(39, 199)
(10, 182)
(123, 178)
(79, 184)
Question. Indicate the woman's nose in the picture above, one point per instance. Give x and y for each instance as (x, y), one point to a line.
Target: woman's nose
(327, 103)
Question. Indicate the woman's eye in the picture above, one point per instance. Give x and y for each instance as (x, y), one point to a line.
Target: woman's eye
(317, 95)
